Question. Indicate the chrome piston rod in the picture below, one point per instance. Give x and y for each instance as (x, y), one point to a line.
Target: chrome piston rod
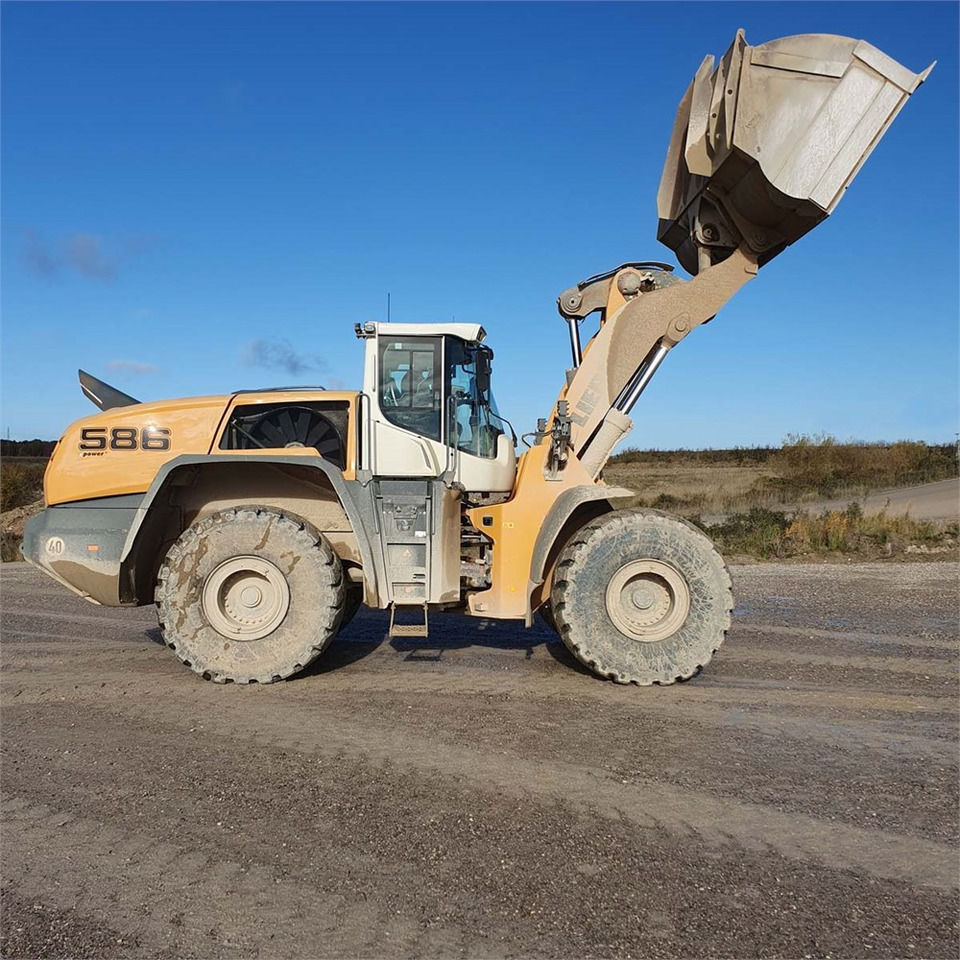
(630, 394)
(617, 423)
(575, 341)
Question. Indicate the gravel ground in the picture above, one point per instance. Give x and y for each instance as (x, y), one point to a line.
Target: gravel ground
(478, 794)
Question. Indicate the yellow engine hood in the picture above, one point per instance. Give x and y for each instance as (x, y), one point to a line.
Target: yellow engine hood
(120, 450)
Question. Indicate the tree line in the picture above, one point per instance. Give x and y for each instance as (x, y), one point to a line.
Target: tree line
(26, 448)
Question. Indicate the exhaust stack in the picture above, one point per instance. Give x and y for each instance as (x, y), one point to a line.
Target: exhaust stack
(102, 394)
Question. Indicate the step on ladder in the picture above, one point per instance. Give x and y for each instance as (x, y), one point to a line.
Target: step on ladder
(407, 629)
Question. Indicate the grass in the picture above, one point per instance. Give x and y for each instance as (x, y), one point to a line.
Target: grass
(689, 488)
(775, 534)
(804, 469)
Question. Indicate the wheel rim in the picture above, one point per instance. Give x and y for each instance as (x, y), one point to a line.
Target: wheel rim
(246, 598)
(648, 600)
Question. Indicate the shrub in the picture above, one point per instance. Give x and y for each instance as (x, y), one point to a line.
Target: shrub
(770, 534)
(10, 547)
(20, 483)
(822, 466)
(759, 532)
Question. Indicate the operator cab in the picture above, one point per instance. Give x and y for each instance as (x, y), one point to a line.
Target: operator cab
(429, 409)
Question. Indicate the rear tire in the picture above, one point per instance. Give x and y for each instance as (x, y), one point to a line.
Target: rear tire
(353, 601)
(642, 597)
(250, 595)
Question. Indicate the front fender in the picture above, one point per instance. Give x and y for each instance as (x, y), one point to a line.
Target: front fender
(563, 509)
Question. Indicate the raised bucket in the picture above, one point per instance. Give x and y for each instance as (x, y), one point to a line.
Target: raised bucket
(765, 145)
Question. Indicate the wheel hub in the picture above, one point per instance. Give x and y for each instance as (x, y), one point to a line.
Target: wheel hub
(251, 596)
(648, 600)
(246, 598)
(643, 597)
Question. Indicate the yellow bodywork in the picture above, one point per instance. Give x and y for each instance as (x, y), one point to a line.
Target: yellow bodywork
(628, 331)
(92, 461)
(516, 524)
(514, 529)
(78, 471)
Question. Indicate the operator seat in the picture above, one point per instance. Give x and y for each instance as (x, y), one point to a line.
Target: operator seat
(393, 391)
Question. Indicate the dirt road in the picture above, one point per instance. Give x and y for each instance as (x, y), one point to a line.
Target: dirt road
(928, 501)
(478, 795)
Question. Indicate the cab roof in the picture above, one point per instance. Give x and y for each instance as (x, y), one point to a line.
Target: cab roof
(471, 332)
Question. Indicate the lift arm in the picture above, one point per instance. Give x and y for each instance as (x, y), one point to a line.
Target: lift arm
(762, 150)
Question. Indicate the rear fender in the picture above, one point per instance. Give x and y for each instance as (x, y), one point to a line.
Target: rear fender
(190, 487)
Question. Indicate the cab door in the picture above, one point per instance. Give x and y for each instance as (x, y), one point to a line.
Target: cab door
(408, 416)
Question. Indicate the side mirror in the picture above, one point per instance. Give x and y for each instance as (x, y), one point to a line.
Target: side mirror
(483, 371)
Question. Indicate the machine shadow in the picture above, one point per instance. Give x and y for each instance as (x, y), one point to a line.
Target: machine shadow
(368, 633)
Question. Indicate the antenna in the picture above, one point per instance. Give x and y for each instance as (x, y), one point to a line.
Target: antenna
(388, 308)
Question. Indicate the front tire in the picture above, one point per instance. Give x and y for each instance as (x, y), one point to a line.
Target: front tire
(546, 613)
(642, 597)
(249, 595)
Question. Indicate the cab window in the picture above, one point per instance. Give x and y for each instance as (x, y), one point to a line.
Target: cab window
(411, 384)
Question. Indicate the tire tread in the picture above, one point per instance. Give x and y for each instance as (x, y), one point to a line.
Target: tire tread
(189, 539)
(573, 559)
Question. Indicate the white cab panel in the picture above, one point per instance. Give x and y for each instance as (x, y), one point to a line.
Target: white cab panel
(393, 451)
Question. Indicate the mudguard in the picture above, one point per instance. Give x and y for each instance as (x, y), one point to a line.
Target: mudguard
(93, 547)
(562, 510)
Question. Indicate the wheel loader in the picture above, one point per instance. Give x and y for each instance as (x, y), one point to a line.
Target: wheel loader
(259, 522)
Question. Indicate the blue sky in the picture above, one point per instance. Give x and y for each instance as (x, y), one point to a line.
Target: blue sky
(200, 197)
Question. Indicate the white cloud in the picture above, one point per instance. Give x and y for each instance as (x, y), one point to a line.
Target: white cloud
(132, 366)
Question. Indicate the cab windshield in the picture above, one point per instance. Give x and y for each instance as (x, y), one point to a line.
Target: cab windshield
(476, 423)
